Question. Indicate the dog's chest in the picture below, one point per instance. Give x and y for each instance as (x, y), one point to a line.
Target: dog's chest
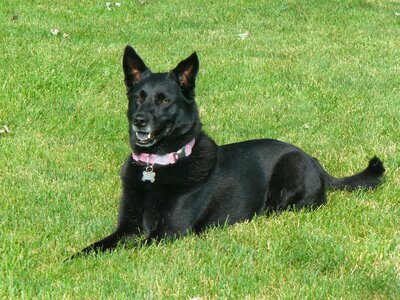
(151, 219)
(155, 214)
(165, 217)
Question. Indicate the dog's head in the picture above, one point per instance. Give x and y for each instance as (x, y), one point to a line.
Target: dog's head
(162, 112)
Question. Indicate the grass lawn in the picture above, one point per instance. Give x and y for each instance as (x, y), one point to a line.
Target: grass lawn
(324, 75)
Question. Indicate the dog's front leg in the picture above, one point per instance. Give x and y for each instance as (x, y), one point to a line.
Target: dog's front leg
(128, 227)
(107, 244)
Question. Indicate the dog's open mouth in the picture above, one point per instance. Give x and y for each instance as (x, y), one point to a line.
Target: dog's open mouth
(148, 139)
(145, 139)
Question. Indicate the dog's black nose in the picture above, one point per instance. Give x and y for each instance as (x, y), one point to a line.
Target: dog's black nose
(140, 120)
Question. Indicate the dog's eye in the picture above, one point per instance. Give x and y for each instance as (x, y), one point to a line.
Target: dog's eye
(165, 101)
(139, 99)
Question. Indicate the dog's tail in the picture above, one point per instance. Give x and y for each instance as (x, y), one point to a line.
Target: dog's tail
(370, 178)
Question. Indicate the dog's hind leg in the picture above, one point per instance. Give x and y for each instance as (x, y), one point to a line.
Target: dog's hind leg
(295, 183)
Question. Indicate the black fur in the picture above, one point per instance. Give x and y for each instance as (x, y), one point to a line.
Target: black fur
(215, 184)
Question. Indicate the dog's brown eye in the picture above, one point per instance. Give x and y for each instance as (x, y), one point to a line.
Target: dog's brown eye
(165, 101)
(139, 99)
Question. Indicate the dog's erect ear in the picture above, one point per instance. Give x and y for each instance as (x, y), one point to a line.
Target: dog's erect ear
(134, 67)
(186, 71)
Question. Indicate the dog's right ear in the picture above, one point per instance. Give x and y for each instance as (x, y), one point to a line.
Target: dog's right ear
(134, 68)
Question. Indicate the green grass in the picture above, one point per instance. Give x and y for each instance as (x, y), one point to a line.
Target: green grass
(323, 75)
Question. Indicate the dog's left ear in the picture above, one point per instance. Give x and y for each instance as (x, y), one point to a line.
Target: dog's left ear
(186, 72)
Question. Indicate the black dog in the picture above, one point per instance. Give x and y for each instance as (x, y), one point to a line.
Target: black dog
(177, 180)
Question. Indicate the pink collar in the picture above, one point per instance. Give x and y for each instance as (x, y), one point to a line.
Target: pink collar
(166, 159)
